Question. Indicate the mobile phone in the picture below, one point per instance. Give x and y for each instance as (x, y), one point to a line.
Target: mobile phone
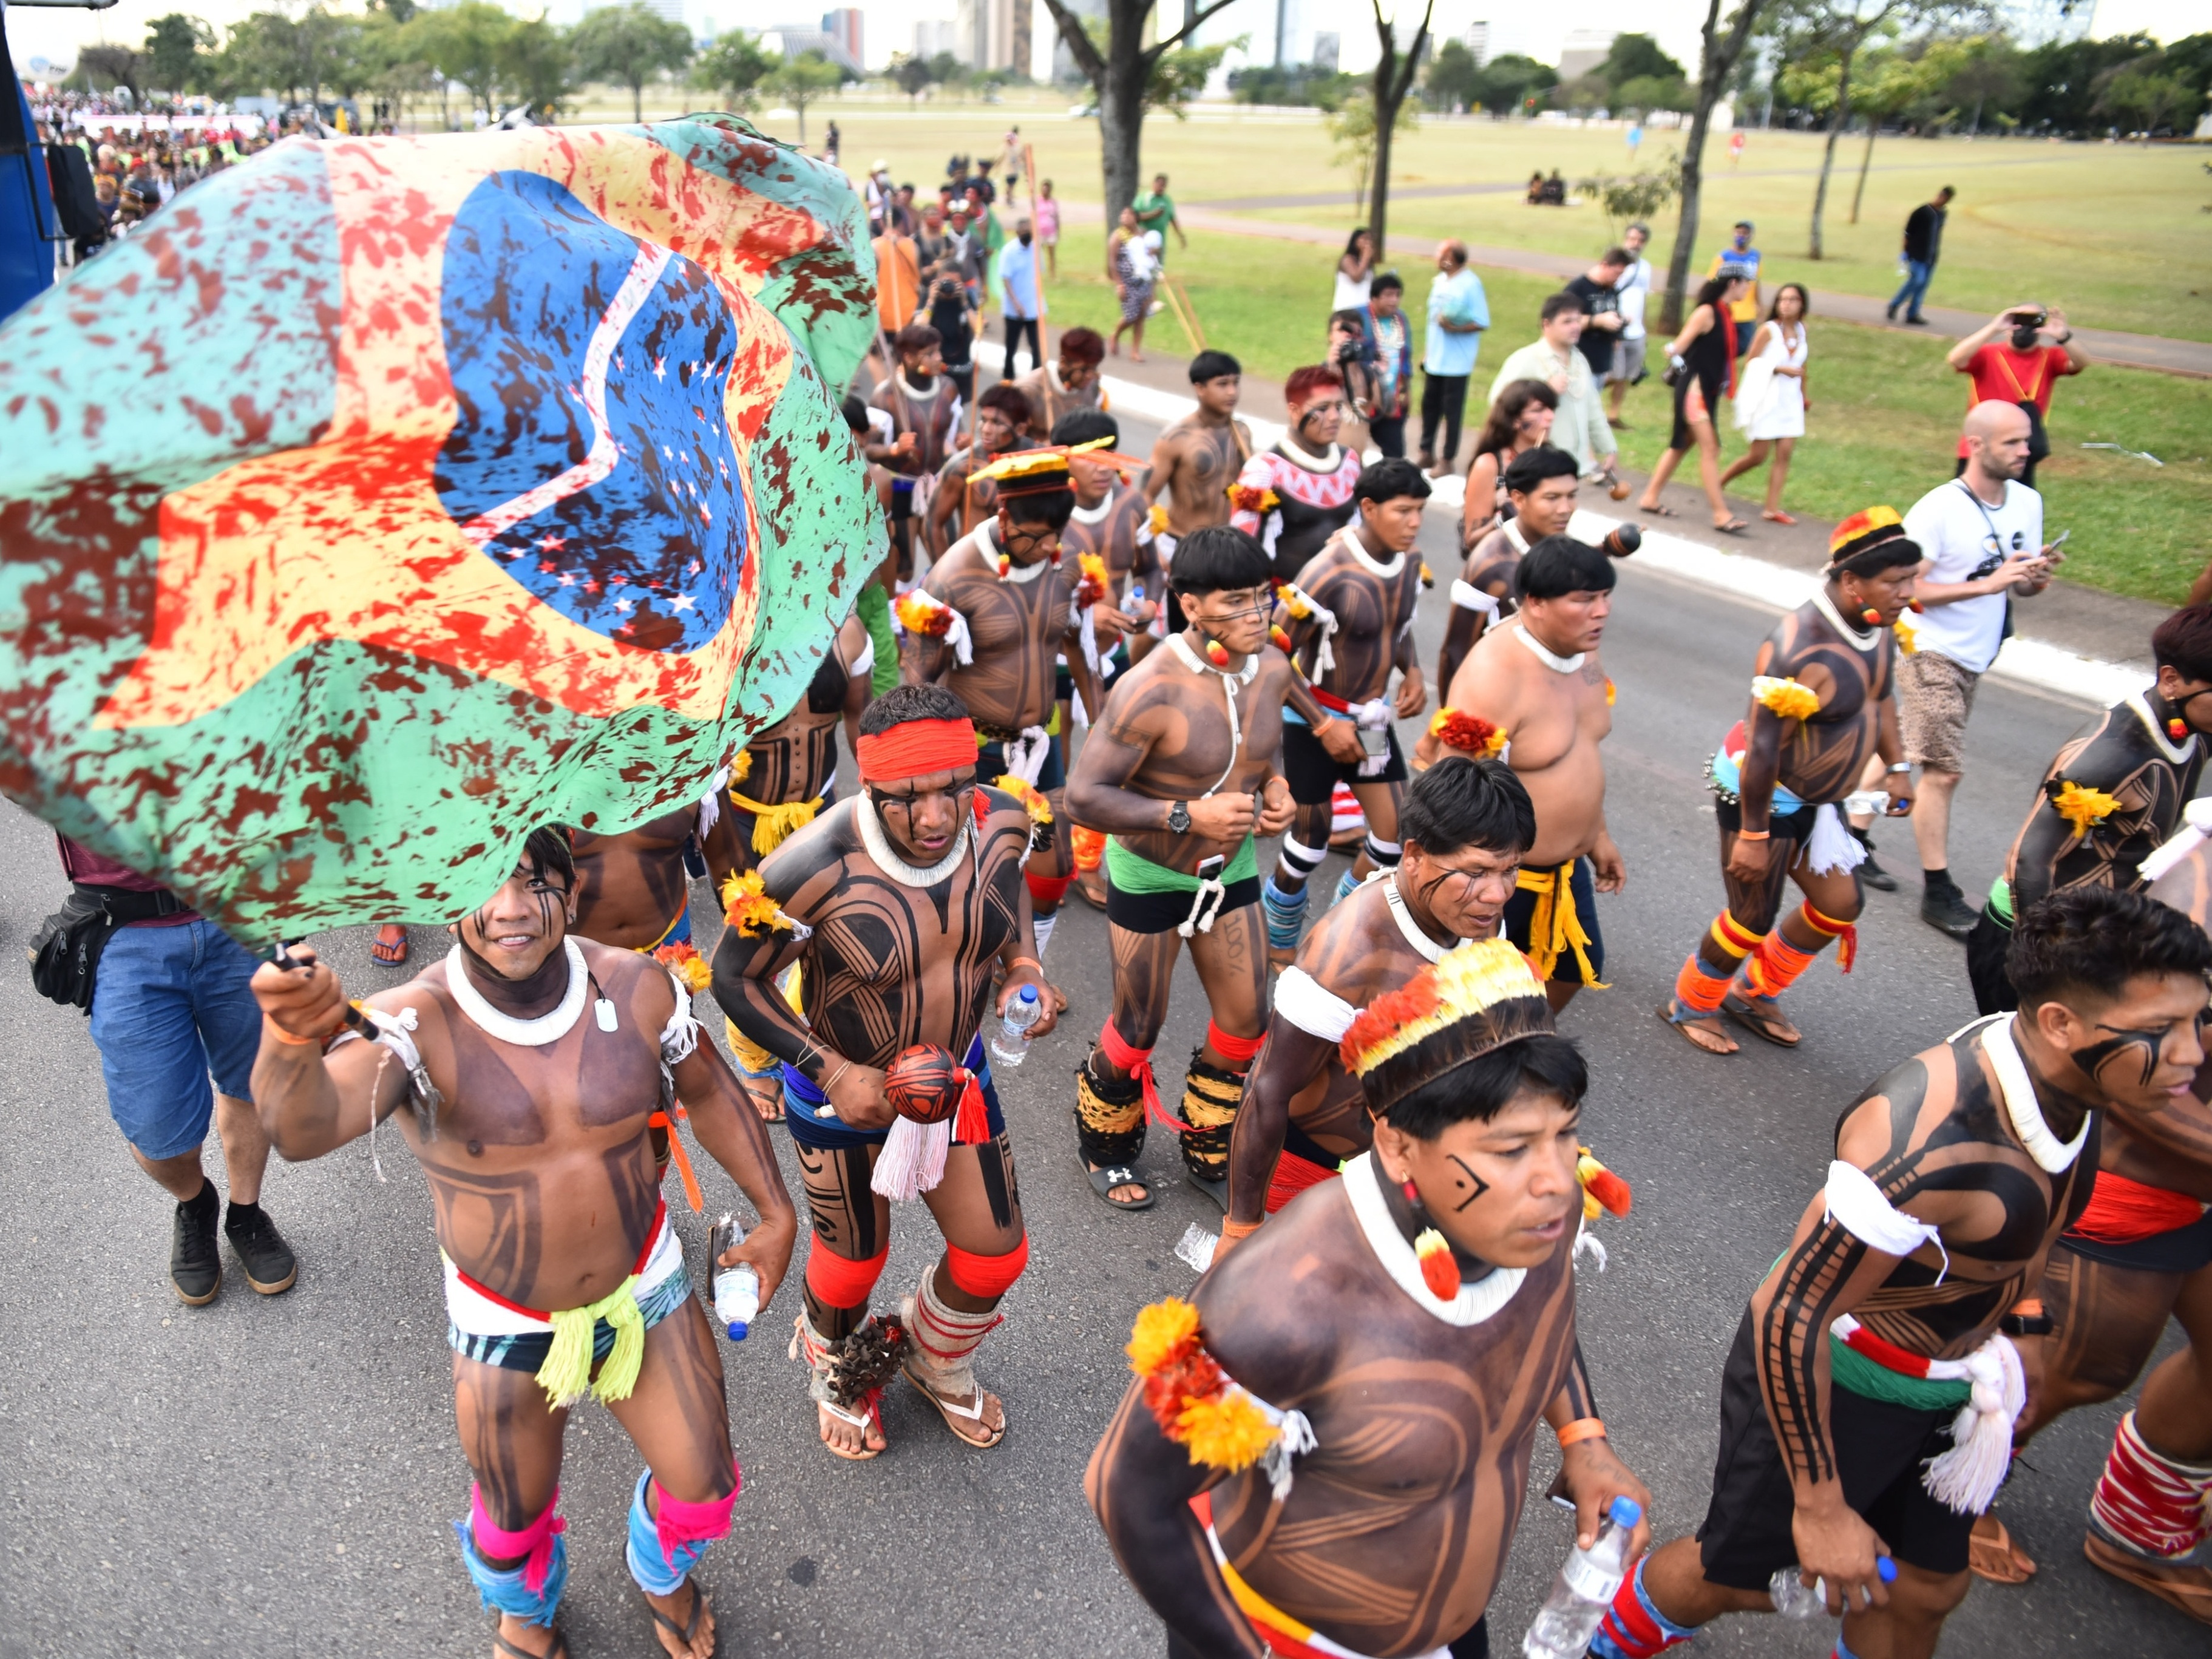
(1210, 869)
(1374, 740)
(2059, 540)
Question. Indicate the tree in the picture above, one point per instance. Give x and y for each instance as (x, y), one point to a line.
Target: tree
(174, 43)
(801, 80)
(911, 74)
(1121, 73)
(1393, 80)
(1634, 199)
(464, 43)
(1824, 30)
(1891, 83)
(734, 65)
(1352, 128)
(1722, 48)
(537, 66)
(2062, 77)
(1984, 71)
(105, 67)
(1452, 75)
(1180, 75)
(1506, 84)
(630, 46)
(2145, 95)
(1645, 92)
(1635, 56)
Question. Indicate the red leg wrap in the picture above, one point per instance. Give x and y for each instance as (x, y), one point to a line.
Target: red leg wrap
(989, 1276)
(1829, 927)
(2149, 1502)
(1237, 1050)
(1089, 847)
(840, 1282)
(1293, 1174)
(1046, 891)
(1124, 1056)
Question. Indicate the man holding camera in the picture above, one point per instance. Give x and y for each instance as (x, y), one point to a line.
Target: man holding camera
(2022, 368)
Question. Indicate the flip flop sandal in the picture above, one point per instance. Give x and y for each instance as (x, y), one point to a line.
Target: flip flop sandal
(1758, 1023)
(1084, 893)
(950, 1411)
(1733, 527)
(1777, 518)
(1216, 1190)
(1661, 511)
(872, 1418)
(754, 1100)
(391, 952)
(1679, 1026)
(558, 1651)
(1104, 1182)
(1999, 1559)
(689, 1629)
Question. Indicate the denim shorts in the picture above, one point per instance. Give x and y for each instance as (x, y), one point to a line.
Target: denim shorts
(171, 1006)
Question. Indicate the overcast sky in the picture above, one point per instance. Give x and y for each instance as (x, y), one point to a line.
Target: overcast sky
(55, 34)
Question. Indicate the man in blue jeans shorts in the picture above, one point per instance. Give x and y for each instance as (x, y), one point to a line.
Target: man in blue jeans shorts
(171, 1006)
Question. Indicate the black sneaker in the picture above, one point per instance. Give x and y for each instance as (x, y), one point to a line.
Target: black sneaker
(195, 1264)
(1871, 873)
(1947, 912)
(271, 1267)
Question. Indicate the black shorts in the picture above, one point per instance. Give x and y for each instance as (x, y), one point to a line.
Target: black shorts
(1985, 966)
(1796, 825)
(991, 764)
(1163, 913)
(2182, 1250)
(1312, 774)
(1744, 1539)
(1520, 915)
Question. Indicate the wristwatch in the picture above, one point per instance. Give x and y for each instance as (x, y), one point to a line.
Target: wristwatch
(1178, 818)
(2034, 1324)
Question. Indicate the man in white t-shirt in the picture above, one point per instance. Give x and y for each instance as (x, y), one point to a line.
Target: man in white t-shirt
(1983, 536)
(1633, 293)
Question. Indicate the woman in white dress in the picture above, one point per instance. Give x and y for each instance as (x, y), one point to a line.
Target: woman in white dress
(1770, 403)
(1354, 273)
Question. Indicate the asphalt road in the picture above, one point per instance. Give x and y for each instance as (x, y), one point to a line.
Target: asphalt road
(267, 1477)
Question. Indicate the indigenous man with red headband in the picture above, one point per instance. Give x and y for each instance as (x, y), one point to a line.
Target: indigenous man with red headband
(1327, 1454)
(1069, 386)
(1016, 603)
(780, 780)
(562, 1276)
(1181, 771)
(2140, 1253)
(1868, 1404)
(1296, 495)
(1821, 702)
(1349, 622)
(1467, 825)
(895, 904)
(2110, 796)
(961, 498)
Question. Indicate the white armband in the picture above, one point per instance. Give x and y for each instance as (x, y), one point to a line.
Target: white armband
(681, 1035)
(1468, 597)
(865, 664)
(1857, 1205)
(2197, 826)
(1307, 1004)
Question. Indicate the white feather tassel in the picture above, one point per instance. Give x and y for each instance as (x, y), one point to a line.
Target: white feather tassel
(912, 1162)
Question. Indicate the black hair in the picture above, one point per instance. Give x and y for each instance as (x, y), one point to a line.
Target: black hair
(1560, 565)
(855, 412)
(1389, 279)
(2090, 941)
(548, 847)
(2182, 642)
(1710, 294)
(1564, 300)
(1219, 558)
(916, 336)
(1462, 802)
(1387, 480)
(1009, 400)
(903, 704)
(1545, 1063)
(1052, 507)
(1087, 426)
(1212, 365)
(1528, 469)
(1351, 242)
(1880, 556)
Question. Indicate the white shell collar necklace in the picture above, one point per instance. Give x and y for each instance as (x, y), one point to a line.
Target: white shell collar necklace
(2021, 1107)
(523, 1033)
(1476, 1302)
(879, 849)
(1415, 935)
(1551, 658)
(1863, 640)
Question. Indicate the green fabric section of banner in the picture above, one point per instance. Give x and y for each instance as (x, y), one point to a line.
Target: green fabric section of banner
(1850, 1369)
(1132, 872)
(2001, 902)
(874, 609)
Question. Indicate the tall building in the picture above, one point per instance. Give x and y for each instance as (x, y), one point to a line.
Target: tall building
(1326, 44)
(1584, 50)
(993, 34)
(843, 25)
(934, 35)
(1477, 42)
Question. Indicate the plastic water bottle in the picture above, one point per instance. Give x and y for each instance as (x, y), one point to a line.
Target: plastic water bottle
(1010, 1047)
(1795, 1599)
(1585, 1589)
(737, 1290)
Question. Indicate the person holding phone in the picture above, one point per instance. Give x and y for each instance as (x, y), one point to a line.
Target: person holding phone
(2037, 351)
(1981, 541)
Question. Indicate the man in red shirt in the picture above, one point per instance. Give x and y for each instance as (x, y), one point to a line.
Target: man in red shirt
(2022, 368)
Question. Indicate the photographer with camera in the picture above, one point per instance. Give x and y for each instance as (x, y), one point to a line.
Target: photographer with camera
(2036, 350)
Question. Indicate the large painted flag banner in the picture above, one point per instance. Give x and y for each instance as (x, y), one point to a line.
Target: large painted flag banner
(383, 499)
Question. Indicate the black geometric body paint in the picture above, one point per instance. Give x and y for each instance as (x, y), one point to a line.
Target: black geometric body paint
(1481, 1185)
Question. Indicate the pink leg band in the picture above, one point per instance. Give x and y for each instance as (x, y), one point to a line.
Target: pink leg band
(680, 1523)
(534, 1542)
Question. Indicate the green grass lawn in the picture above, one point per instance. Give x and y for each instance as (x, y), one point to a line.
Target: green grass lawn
(1885, 418)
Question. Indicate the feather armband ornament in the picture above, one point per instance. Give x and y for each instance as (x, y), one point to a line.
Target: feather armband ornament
(1096, 583)
(1223, 1424)
(1471, 734)
(1295, 600)
(1252, 498)
(683, 959)
(1908, 641)
(1784, 697)
(747, 906)
(1159, 519)
(1602, 1189)
(1034, 803)
(2080, 805)
(920, 613)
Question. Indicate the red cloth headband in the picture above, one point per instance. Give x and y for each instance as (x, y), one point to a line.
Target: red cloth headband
(915, 749)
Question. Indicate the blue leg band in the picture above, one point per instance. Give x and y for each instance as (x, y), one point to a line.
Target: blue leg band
(505, 1592)
(1286, 914)
(653, 1571)
(1346, 885)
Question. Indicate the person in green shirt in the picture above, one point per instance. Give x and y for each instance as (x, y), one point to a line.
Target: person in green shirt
(1155, 211)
